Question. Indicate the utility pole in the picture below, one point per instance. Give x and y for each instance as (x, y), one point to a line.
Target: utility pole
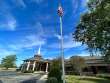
(60, 13)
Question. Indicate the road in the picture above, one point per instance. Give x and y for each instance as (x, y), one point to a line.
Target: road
(26, 78)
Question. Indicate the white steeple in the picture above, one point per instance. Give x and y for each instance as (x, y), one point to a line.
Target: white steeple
(39, 50)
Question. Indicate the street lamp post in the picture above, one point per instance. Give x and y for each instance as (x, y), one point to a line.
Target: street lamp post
(60, 13)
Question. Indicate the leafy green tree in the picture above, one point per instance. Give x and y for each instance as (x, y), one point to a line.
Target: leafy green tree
(55, 71)
(56, 63)
(94, 28)
(9, 61)
(78, 63)
(0, 65)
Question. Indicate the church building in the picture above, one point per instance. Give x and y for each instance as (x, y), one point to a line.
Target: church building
(36, 63)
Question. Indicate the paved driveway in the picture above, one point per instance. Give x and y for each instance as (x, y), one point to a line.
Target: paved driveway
(28, 78)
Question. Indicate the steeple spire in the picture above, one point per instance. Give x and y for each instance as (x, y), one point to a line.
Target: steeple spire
(39, 50)
(38, 55)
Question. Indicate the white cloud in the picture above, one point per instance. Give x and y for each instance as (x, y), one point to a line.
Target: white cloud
(79, 3)
(84, 2)
(36, 40)
(25, 41)
(39, 28)
(68, 42)
(66, 45)
(87, 0)
(71, 44)
(58, 36)
(28, 42)
(11, 25)
(8, 25)
(84, 53)
(75, 5)
(44, 32)
(68, 57)
(4, 52)
(9, 22)
(46, 16)
(19, 3)
(38, 1)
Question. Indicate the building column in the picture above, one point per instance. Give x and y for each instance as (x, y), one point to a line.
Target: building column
(46, 67)
(108, 68)
(40, 66)
(28, 66)
(37, 66)
(22, 67)
(34, 65)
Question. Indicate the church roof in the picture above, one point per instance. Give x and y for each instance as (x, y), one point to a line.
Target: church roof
(92, 57)
(37, 58)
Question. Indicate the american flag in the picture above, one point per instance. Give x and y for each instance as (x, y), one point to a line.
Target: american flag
(60, 11)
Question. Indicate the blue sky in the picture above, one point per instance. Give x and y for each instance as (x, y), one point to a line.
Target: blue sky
(27, 24)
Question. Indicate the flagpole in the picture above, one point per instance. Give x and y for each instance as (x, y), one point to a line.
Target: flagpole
(62, 51)
(60, 12)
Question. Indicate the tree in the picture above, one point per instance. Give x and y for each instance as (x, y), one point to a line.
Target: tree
(56, 63)
(94, 28)
(55, 71)
(78, 63)
(9, 61)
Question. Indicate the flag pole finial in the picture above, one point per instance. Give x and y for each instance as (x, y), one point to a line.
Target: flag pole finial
(60, 10)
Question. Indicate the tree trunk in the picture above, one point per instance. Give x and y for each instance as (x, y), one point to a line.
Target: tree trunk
(80, 72)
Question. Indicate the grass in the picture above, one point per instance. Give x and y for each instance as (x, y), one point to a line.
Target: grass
(86, 79)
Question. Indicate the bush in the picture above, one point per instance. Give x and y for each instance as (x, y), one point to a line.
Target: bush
(103, 76)
(52, 80)
(56, 73)
(55, 70)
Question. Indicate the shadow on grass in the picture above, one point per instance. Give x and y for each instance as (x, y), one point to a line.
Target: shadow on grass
(97, 80)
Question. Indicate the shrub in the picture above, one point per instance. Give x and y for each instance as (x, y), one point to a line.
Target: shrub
(55, 70)
(78, 63)
(52, 80)
(103, 76)
(56, 73)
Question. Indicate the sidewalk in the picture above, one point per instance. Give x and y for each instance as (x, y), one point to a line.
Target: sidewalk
(21, 79)
(42, 79)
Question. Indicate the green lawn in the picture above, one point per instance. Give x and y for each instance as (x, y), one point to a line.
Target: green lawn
(86, 79)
